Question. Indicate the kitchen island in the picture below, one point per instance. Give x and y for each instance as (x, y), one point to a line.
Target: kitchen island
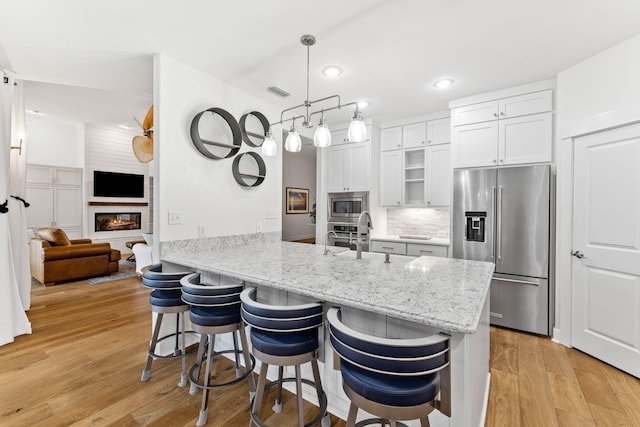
(401, 299)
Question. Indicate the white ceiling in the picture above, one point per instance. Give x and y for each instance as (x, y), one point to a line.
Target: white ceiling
(391, 51)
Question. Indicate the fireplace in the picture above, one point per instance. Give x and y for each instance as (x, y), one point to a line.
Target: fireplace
(115, 221)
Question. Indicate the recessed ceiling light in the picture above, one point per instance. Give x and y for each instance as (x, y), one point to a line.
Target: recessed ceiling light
(332, 71)
(363, 104)
(441, 84)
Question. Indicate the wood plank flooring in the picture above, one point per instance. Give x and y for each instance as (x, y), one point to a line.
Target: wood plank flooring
(82, 365)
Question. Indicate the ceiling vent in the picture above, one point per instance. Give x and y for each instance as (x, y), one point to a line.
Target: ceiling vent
(278, 92)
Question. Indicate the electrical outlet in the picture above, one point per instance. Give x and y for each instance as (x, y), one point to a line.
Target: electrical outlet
(201, 231)
(258, 227)
(175, 217)
(271, 214)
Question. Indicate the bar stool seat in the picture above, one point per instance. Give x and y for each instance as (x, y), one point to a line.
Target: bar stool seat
(284, 336)
(394, 379)
(215, 310)
(165, 298)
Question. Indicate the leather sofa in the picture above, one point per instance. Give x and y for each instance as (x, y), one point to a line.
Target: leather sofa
(55, 258)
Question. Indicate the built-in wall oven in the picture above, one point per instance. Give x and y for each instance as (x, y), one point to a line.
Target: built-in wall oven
(343, 212)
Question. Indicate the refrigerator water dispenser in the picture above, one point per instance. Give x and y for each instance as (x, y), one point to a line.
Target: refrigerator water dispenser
(475, 226)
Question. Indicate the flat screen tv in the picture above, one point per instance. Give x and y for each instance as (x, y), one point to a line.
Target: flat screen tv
(113, 184)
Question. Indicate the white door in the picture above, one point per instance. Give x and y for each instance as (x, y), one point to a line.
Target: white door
(337, 159)
(606, 271)
(439, 175)
(391, 178)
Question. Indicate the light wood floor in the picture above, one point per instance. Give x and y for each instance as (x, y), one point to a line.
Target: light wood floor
(82, 365)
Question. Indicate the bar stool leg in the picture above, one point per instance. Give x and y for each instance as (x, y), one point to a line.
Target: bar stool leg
(257, 401)
(299, 396)
(204, 409)
(236, 355)
(424, 421)
(351, 418)
(193, 389)
(392, 423)
(176, 348)
(326, 420)
(247, 362)
(183, 351)
(277, 406)
(146, 373)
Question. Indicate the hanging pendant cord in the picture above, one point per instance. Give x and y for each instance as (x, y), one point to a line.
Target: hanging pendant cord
(4, 207)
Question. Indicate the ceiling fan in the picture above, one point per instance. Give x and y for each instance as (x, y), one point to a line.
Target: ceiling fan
(143, 144)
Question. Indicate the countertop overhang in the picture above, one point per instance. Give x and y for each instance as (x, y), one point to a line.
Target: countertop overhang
(440, 292)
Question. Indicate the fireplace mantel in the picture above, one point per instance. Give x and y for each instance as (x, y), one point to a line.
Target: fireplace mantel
(118, 204)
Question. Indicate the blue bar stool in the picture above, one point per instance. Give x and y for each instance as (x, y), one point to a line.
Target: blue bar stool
(165, 299)
(284, 336)
(215, 310)
(394, 379)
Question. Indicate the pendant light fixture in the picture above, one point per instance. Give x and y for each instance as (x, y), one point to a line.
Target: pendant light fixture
(322, 136)
(269, 147)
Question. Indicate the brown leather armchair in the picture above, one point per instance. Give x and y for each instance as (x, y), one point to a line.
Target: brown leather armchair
(55, 258)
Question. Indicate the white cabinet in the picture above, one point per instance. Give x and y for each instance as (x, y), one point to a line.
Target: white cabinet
(439, 175)
(391, 138)
(414, 135)
(55, 196)
(349, 167)
(339, 137)
(398, 248)
(391, 178)
(421, 171)
(416, 249)
(439, 131)
(508, 131)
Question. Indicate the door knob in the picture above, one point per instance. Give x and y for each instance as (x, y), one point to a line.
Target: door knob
(578, 254)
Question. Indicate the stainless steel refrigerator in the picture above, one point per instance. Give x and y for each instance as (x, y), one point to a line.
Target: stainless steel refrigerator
(503, 215)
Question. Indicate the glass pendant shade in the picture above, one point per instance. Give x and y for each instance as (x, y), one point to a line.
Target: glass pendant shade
(269, 147)
(293, 142)
(322, 135)
(357, 131)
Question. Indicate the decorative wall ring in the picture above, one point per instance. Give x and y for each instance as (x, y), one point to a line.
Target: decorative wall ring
(202, 145)
(242, 177)
(247, 135)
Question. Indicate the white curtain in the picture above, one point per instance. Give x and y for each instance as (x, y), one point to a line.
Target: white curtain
(17, 188)
(13, 320)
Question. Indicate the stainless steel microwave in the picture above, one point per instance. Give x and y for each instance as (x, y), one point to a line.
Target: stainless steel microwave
(346, 207)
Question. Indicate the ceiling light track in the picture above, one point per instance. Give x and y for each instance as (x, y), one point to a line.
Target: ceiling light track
(322, 137)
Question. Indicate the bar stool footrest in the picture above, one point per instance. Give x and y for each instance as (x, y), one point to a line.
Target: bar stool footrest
(199, 385)
(174, 354)
(323, 404)
(378, 421)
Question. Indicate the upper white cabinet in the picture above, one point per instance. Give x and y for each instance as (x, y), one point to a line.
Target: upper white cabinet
(55, 196)
(414, 136)
(513, 130)
(415, 164)
(391, 138)
(349, 167)
(439, 131)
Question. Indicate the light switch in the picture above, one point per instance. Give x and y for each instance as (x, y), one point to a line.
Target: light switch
(175, 217)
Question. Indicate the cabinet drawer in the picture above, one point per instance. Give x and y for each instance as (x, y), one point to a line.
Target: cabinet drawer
(391, 247)
(414, 249)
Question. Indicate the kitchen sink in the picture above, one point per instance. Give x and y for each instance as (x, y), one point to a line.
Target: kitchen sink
(378, 256)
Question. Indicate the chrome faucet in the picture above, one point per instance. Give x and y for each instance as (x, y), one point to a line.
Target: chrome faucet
(326, 251)
(359, 241)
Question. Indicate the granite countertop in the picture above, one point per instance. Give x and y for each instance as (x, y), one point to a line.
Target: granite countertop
(439, 241)
(442, 292)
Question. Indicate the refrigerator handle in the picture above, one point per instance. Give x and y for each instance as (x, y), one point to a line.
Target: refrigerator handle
(493, 203)
(499, 225)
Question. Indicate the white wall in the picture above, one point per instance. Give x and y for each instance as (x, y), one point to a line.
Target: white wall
(53, 141)
(598, 93)
(299, 171)
(201, 189)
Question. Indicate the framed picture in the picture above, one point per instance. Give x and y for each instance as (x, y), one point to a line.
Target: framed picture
(297, 200)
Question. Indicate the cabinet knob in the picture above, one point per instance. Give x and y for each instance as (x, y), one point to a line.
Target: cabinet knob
(428, 203)
(502, 113)
(494, 160)
(501, 160)
(398, 202)
(495, 114)
(422, 142)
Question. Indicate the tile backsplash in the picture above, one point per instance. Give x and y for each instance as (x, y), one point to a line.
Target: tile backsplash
(432, 222)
